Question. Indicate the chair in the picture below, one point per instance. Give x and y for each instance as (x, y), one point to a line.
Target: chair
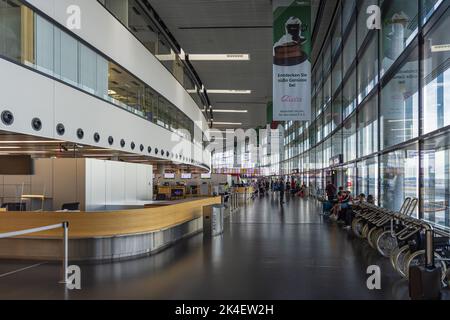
(71, 206)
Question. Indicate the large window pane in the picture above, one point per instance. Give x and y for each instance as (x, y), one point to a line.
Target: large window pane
(336, 37)
(436, 93)
(399, 105)
(337, 111)
(88, 69)
(66, 57)
(327, 58)
(349, 95)
(336, 143)
(399, 177)
(368, 177)
(327, 91)
(368, 70)
(328, 118)
(44, 45)
(348, 7)
(349, 138)
(349, 53)
(436, 180)
(368, 127)
(400, 19)
(10, 29)
(336, 75)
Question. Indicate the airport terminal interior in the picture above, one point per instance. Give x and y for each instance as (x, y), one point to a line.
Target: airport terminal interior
(224, 150)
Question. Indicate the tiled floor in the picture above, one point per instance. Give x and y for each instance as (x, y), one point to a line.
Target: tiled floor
(266, 252)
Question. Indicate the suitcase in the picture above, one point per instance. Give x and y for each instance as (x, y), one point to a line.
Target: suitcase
(424, 283)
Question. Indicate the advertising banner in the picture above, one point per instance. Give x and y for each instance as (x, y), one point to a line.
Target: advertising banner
(291, 60)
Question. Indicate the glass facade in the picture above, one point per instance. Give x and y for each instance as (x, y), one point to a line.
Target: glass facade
(385, 129)
(140, 19)
(29, 39)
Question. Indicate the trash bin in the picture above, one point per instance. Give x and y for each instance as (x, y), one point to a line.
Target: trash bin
(213, 220)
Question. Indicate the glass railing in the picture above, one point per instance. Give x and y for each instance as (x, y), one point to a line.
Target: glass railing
(142, 21)
(33, 41)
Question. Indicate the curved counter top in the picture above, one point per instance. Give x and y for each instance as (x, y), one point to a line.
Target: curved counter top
(103, 235)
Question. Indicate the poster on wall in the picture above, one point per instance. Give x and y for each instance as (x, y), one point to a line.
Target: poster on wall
(291, 60)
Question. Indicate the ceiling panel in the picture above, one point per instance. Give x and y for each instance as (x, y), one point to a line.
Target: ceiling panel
(227, 26)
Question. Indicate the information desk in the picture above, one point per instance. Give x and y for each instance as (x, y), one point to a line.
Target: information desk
(103, 235)
(172, 192)
(244, 193)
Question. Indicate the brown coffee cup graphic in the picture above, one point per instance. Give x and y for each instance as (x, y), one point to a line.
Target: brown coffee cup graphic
(288, 50)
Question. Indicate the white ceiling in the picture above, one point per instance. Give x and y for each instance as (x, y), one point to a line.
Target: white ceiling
(227, 26)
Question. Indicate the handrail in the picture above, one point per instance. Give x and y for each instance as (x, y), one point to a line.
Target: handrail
(64, 225)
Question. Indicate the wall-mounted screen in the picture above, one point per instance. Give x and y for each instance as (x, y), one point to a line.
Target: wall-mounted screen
(186, 176)
(206, 175)
(169, 175)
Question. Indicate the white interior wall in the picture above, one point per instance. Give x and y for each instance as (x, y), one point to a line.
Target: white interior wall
(94, 183)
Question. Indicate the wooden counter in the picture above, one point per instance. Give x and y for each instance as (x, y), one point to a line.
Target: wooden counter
(244, 190)
(105, 224)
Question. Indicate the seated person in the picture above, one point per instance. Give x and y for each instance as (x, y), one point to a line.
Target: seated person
(370, 199)
(342, 206)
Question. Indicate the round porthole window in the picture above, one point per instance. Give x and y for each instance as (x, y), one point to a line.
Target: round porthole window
(80, 133)
(133, 146)
(149, 149)
(141, 147)
(96, 137)
(60, 129)
(7, 118)
(110, 140)
(36, 124)
(122, 143)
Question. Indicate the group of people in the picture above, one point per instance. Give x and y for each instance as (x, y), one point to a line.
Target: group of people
(339, 204)
(293, 187)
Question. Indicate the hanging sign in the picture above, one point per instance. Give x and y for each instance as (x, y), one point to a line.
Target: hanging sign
(291, 60)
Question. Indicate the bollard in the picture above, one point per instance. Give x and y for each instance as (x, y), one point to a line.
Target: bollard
(425, 282)
(65, 260)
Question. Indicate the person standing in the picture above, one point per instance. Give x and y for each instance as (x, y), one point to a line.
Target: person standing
(330, 189)
(282, 188)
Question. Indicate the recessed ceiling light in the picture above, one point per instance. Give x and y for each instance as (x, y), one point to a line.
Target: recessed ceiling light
(220, 57)
(229, 91)
(440, 48)
(230, 111)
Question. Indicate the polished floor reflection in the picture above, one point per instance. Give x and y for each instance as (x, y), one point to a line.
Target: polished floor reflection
(266, 252)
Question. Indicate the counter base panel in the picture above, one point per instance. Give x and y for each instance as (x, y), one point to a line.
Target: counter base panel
(101, 249)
